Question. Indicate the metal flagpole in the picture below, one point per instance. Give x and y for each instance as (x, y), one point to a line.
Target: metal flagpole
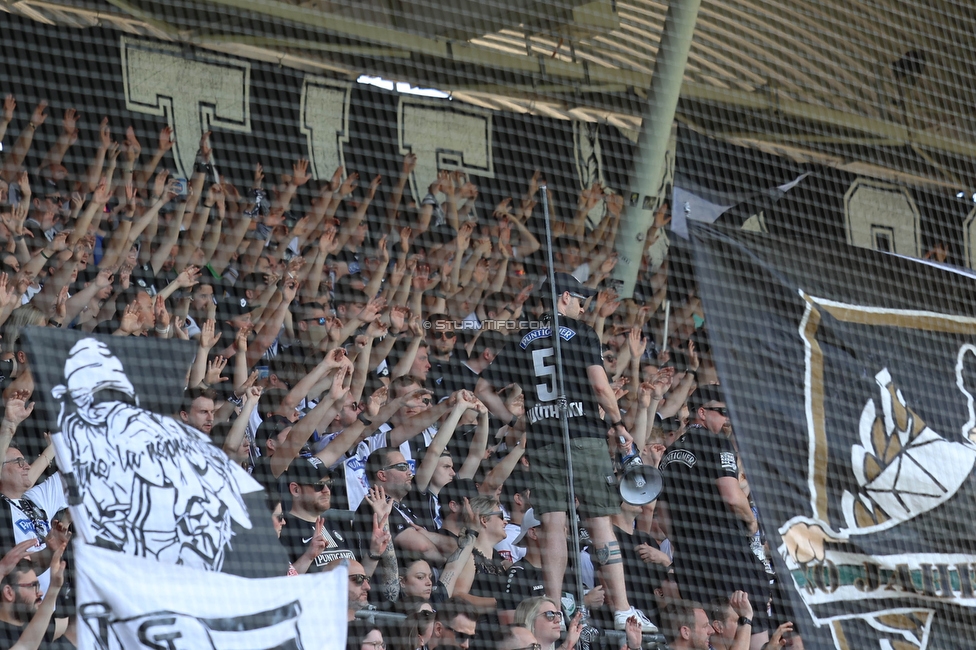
(563, 403)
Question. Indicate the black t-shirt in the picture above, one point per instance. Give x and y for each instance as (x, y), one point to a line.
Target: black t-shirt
(400, 519)
(426, 506)
(297, 534)
(445, 377)
(523, 581)
(531, 363)
(10, 634)
(701, 523)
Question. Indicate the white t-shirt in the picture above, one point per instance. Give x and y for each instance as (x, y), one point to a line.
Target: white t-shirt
(582, 272)
(49, 497)
(356, 482)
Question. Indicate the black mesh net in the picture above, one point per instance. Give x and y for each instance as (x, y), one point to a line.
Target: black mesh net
(502, 324)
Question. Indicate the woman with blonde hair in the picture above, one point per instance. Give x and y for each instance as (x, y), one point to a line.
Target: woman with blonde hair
(542, 616)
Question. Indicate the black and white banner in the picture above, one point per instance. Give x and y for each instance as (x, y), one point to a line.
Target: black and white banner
(140, 481)
(850, 377)
(184, 609)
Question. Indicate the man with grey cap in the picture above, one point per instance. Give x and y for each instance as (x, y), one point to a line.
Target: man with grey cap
(531, 363)
(705, 514)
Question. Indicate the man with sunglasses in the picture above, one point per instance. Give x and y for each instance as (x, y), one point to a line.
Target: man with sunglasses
(707, 516)
(310, 492)
(454, 625)
(531, 363)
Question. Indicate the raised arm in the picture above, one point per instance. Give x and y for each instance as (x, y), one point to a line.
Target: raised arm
(437, 446)
(14, 159)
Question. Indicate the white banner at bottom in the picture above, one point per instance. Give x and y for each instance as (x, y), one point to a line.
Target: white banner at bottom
(132, 603)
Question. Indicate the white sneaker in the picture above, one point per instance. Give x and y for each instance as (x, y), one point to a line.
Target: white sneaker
(620, 620)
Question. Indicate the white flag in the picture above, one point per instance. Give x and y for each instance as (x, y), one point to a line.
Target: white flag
(132, 603)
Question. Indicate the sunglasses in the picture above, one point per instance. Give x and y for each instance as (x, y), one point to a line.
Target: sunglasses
(461, 636)
(280, 518)
(19, 462)
(400, 467)
(552, 616)
(437, 336)
(721, 410)
(321, 321)
(358, 578)
(534, 646)
(318, 487)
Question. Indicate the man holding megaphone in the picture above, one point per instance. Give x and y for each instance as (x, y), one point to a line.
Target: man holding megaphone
(531, 363)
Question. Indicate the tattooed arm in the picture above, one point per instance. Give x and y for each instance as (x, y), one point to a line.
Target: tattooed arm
(381, 553)
(457, 562)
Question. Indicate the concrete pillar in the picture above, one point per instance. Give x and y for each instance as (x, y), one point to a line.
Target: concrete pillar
(652, 145)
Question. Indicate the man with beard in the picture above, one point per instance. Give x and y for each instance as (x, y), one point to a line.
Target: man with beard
(706, 515)
(387, 468)
(26, 617)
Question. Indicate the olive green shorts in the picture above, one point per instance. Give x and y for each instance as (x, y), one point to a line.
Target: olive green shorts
(598, 496)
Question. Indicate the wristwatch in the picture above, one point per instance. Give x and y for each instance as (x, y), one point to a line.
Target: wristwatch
(375, 557)
(362, 418)
(745, 621)
(513, 421)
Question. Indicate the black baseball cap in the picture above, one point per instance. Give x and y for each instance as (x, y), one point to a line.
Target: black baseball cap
(566, 282)
(704, 394)
(231, 307)
(270, 428)
(306, 471)
(456, 491)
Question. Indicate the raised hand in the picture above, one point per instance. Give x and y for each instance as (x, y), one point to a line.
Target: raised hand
(105, 133)
(38, 116)
(166, 138)
(129, 323)
(382, 505)
(205, 149)
(348, 185)
(299, 172)
(318, 542)
(334, 358)
(207, 337)
(69, 122)
(18, 409)
(9, 104)
(188, 277)
(636, 343)
(740, 604)
(161, 313)
(132, 146)
(61, 304)
(15, 555)
(214, 369)
(336, 180)
(376, 400)
(661, 382)
(409, 162)
(240, 339)
(102, 191)
(380, 539)
(159, 183)
(374, 185)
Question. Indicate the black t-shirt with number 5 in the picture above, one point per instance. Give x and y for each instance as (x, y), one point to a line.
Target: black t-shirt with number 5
(531, 362)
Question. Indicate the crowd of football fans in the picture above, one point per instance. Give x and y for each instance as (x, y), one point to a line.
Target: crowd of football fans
(341, 328)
